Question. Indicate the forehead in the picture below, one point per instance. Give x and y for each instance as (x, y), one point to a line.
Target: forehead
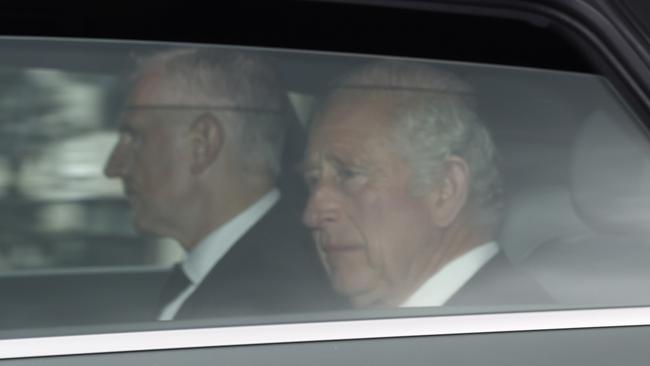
(352, 121)
(147, 90)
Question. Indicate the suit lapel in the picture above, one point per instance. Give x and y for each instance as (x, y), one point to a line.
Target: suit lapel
(272, 268)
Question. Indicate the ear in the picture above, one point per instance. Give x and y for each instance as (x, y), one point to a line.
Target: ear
(450, 193)
(206, 134)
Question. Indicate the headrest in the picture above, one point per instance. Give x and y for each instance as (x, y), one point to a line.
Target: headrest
(537, 217)
(610, 174)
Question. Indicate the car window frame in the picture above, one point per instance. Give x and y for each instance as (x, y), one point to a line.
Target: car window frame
(615, 56)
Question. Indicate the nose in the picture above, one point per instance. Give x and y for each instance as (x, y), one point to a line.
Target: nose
(117, 164)
(323, 206)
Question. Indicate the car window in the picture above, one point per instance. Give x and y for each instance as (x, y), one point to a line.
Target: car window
(55, 124)
(155, 186)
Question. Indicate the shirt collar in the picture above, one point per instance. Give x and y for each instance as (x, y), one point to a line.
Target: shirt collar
(440, 287)
(213, 247)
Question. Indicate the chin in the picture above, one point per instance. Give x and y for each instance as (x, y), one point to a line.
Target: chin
(351, 286)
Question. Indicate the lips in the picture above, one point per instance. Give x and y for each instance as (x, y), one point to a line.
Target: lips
(340, 248)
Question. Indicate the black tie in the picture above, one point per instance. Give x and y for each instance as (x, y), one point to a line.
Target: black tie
(176, 282)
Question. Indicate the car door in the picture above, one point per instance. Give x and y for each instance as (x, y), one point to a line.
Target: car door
(563, 87)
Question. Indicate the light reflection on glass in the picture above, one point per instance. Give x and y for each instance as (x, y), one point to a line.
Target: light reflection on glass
(71, 169)
(303, 105)
(57, 207)
(169, 252)
(6, 175)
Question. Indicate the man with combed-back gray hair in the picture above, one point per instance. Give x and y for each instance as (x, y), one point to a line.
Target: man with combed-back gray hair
(199, 155)
(226, 81)
(405, 193)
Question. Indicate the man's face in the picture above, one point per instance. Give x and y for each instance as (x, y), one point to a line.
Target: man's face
(151, 159)
(374, 235)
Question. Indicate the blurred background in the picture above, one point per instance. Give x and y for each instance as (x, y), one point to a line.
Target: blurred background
(58, 210)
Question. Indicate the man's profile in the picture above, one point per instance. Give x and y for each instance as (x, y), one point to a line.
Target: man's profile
(199, 155)
(405, 193)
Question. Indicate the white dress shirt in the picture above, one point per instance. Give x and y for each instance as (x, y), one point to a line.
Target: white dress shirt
(202, 258)
(440, 287)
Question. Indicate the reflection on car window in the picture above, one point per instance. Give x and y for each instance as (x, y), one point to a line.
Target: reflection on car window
(59, 211)
(202, 183)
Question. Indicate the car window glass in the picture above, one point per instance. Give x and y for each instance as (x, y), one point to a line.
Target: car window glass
(307, 186)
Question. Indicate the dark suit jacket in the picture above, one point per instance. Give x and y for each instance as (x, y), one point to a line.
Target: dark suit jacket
(499, 283)
(273, 268)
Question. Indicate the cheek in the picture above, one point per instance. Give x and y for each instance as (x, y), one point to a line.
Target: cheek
(350, 272)
(161, 162)
(396, 226)
(152, 171)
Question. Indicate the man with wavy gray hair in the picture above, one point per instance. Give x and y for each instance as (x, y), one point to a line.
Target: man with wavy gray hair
(199, 155)
(405, 194)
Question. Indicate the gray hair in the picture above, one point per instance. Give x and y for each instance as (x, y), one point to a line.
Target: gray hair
(240, 88)
(435, 118)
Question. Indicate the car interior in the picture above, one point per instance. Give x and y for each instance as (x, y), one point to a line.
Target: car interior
(574, 161)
